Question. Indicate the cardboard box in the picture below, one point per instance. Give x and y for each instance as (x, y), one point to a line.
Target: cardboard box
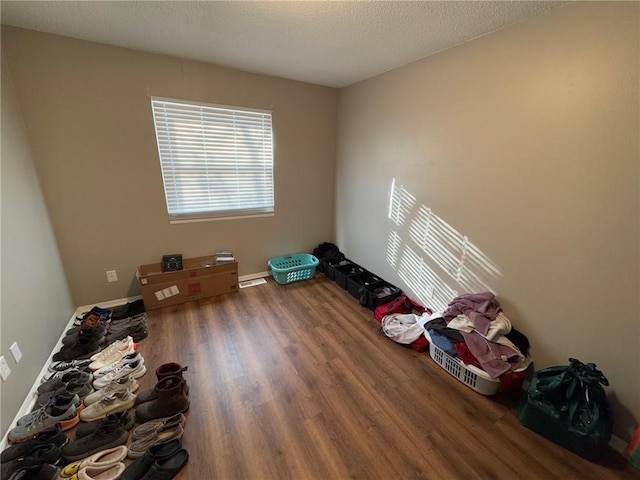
(200, 278)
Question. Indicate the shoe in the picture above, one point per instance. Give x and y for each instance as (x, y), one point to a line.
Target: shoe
(106, 435)
(116, 385)
(50, 375)
(120, 325)
(162, 435)
(114, 352)
(102, 459)
(137, 332)
(118, 402)
(60, 381)
(127, 359)
(168, 467)
(47, 418)
(64, 365)
(100, 312)
(170, 400)
(130, 309)
(152, 426)
(46, 453)
(87, 344)
(164, 370)
(60, 402)
(56, 437)
(123, 420)
(112, 472)
(156, 454)
(135, 370)
(79, 388)
(95, 325)
(37, 472)
(91, 321)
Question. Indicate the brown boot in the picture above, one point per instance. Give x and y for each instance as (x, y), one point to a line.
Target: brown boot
(164, 370)
(170, 400)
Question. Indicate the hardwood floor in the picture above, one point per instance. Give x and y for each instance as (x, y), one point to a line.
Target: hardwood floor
(297, 382)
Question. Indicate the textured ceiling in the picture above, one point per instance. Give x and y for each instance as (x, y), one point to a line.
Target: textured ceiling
(333, 43)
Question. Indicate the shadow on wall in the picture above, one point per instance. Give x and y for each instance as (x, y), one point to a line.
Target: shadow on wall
(434, 243)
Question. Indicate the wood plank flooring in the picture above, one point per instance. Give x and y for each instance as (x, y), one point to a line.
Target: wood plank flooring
(297, 382)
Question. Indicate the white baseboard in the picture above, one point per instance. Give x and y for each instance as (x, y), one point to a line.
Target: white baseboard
(30, 401)
(617, 444)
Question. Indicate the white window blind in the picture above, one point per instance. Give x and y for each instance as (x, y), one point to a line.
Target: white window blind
(216, 161)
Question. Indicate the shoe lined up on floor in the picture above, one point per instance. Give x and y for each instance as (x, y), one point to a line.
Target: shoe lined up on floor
(97, 311)
(164, 370)
(116, 402)
(98, 462)
(134, 369)
(48, 417)
(112, 353)
(117, 384)
(42, 454)
(88, 342)
(160, 432)
(129, 310)
(123, 419)
(104, 435)
(37, 472)
(160, 462)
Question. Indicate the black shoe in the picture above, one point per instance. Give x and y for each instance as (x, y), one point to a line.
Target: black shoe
(167, 468)
(87, 344)
(56, 437)
(124, 419)
(137, 332)
(72, 338)
(63, 366)
(45, 453)
(37, 472)
(128, 310)
(77, 387)
(103, 437)
(63, 380)
(157, 453)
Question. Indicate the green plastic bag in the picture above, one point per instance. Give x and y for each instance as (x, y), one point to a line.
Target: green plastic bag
(568, 405)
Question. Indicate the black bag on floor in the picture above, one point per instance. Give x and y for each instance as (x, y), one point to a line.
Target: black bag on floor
(568, 405)
(327, 253)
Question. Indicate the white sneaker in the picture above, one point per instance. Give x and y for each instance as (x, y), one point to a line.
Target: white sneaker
(130, 358)
(116, 385)
(113, 353)
(117, 402)
(136, 370)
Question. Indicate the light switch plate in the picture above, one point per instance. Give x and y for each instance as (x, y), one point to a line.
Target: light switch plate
(5, 371)
(15, 351)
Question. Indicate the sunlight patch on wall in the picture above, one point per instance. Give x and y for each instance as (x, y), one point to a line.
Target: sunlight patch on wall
(447, 249)
(424, 282)
(393, 248)
(400, 203)
(452, 251)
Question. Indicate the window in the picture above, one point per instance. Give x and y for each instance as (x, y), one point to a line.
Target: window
(216, 161)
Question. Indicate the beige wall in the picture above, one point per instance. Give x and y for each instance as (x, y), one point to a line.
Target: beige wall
(526, 141)
(87, 111)
(35, 297)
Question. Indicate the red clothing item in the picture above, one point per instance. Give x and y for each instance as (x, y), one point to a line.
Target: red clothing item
(465, 355)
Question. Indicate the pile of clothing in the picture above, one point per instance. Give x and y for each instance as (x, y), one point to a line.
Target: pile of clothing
(475, 329)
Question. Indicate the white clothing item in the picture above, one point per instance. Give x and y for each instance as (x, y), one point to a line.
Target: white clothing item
(500, 326)
(462, 323)
(403, 328)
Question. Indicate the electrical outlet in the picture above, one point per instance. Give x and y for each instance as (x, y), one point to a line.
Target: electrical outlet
(5, 371)
(112, 276)
(15, 351)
